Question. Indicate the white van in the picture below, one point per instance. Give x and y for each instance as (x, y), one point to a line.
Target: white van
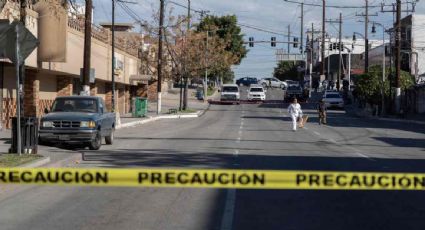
(230, 92)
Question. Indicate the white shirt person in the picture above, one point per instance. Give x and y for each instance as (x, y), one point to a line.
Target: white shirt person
(294, 110)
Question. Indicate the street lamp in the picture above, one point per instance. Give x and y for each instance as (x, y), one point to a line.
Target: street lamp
(383, 62)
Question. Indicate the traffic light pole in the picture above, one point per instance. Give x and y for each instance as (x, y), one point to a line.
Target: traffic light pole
(338, 81)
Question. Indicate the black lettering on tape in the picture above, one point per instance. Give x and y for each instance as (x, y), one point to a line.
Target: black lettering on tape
(261, 179)
(314, 179)
(143, 176)
(369, 181)
(170, 178)
(87, 178)
(67, 177)
(210, 180)
(341, 180)
(3, 177)
(24, 177)
(182, 178)
(328, 180)
(156, 178)
(301, 178)
(419, 182)
(244, 179)
(53, 177)
(404, 182)
(382, 183)
(196, 179)
(102, 177)
(14, 176)
(355, 181)
(223, 180)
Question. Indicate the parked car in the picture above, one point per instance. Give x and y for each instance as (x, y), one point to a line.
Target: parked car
(78, 120)
(333, 99)
(275, 83)
(256, 92)
(230, 92)
(246, 81)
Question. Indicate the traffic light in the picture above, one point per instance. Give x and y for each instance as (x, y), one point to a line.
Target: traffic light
(251, 41)
(273, 41)
(330, 46)
(334, 46)
(342, 46)
(295, 42)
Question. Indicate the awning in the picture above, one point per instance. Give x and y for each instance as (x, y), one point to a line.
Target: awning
(134, 79)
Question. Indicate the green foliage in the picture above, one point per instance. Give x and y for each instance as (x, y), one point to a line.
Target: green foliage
(370, 86)
(287, 70)
(226, 28)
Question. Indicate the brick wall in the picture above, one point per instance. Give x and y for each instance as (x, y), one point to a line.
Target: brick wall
(64, 86)
(31, 94)
(9, 111)
(108, 96)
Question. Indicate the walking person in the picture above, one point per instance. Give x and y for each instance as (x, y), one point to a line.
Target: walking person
(321, 109)
(294, 110)
(270, 83)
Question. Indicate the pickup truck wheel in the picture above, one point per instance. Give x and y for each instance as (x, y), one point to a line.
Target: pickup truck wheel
(110, 139)
(96, 143)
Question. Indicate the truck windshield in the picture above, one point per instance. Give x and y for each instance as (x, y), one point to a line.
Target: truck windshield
(75, 105)
(256, 90)
(230, 89)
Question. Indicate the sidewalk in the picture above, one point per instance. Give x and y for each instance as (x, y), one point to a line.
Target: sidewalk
(354, 110)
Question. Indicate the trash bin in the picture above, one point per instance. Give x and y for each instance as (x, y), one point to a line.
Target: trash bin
(29, 134)
(200, 94)
(140, 107)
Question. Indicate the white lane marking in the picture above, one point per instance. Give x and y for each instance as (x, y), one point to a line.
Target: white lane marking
(317, 133)
(362, 155)
(236, 153)
(229, 210)
(240, 132)
(242, 123)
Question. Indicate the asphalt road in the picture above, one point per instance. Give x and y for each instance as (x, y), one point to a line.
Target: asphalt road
(239, 137)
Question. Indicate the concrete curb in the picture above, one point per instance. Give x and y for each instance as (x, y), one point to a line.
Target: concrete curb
(36, 163)
(175, 116)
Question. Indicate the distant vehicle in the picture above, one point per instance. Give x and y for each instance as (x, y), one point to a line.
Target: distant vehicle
(275, 83)
(294, 91)
(230, 92)
(246, 81)
(256, 92)
(333, 99)
(292, 83)
(78, 119)
(328, 91)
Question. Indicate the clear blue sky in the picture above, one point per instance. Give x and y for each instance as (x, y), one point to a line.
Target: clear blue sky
(272, 15)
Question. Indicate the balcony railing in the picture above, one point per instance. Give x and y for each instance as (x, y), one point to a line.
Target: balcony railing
(103, 35)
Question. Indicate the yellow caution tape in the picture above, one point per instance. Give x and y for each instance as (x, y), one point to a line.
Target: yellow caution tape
(214, 178)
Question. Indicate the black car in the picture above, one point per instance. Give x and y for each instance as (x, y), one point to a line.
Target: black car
(247, 81)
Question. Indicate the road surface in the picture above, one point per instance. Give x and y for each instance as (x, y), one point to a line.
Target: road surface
(237, 137)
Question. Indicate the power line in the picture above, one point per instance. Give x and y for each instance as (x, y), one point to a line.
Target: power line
(332, 6)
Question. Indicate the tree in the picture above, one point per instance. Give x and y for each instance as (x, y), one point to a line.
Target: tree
(287, 70)
(369, 86)
(226, 28)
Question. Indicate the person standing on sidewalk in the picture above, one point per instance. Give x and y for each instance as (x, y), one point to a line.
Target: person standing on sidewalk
(321, 109)
(294, 110)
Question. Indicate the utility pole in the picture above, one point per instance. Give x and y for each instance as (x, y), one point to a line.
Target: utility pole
(311, 57)
(206, 68)
(398, 58)
(366, 32)
(160, 58)
(338, 81)
(340, 48)
(113, 55)
(23, 18)
(87, 47)
(302, 29)
(289, 39)
(322, 64)
(185, 70)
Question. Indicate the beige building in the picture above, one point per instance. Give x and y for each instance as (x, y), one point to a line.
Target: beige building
(53, 69)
